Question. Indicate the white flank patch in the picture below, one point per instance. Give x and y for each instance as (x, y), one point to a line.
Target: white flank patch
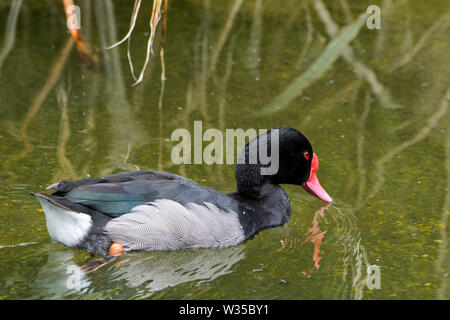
(67, 227)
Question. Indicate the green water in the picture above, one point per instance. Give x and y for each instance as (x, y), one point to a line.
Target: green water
(377, 118)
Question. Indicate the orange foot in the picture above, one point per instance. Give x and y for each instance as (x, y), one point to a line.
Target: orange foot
(116, 249)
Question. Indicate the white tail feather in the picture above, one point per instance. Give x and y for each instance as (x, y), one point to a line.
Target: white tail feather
(64, 226)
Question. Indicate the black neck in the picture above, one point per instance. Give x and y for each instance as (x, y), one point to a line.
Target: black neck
(269, 207)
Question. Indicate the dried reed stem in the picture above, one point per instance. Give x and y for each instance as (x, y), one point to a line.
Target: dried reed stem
(83, 47)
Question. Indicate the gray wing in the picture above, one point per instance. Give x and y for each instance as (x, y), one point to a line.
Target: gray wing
(168, 225)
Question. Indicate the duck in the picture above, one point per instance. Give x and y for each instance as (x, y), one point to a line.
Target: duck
(147, 210)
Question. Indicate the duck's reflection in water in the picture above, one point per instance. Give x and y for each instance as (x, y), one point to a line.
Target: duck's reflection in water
(61, 277)
(161, 269)
(315, 235)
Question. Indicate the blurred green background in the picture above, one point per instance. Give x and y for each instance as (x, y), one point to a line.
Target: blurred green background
(373, 103)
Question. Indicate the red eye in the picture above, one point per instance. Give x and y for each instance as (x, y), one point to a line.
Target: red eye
(306, 154)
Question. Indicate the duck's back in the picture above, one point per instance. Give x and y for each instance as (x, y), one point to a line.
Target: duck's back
(118, 194)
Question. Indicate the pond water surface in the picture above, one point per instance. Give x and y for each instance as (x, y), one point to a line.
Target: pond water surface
(376, 113)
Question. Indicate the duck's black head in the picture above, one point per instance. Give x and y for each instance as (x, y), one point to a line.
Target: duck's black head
(280, 156)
